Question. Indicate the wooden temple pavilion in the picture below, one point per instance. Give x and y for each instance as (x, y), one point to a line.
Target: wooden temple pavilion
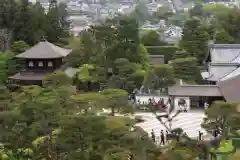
(42, 59)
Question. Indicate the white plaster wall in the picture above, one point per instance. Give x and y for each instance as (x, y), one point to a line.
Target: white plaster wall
(176, 99)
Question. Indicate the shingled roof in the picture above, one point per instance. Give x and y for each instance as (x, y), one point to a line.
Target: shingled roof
(44, 50)
(181, 89)
(217, 71)
(230, 88)
(224, 53)
(156, 59)
(29, 76)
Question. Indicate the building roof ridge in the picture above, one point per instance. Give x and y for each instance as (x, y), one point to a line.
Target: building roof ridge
(44, 49)
(235, 57)
(228, 73)
(224, 45)
(224, 64)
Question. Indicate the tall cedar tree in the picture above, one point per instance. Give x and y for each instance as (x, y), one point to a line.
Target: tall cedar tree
(194, 39)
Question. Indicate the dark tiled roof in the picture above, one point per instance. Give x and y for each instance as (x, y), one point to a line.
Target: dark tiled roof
(233, 74)
(29, 76)
(36, 75)
(156, 59)
(44, 50)
(217, 71)
(223, 53)
(194, 90)
(224, 64)
(230, 89)
(157, 56)
(224, 46)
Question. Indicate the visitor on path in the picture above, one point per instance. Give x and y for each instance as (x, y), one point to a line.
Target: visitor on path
(162, 138)
(138, 102)
(206, 105)
(215, 133)
(160, 102)
(133, 96)
(153, 136)
(154, 103)
(185, 109)
(200, 134)
(149, 101)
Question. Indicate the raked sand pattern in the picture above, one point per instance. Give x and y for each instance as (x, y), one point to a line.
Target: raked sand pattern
(190, 122)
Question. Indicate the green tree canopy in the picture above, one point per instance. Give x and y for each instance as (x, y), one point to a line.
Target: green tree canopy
(116, 99)
(194, 39)
(57, 79)
(222, 115)
(223, 37)
(186, 69)
(163, 12)
(152, 38)
(126, 75)
(215, 9)
(19, 47)
(141, 12)
(164, 76)
(181, 54)
(87, 102)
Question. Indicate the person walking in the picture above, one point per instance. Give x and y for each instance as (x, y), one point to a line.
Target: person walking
(206, 105)
(162, 138)
(153, 136)
(149, 101)
(200, 135)
(215, 133)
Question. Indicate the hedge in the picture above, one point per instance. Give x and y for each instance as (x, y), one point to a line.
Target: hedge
(167, 51)
(236, 142)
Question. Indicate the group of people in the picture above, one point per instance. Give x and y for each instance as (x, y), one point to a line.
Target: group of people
(154, 103)
(216, 132)
(163, 137)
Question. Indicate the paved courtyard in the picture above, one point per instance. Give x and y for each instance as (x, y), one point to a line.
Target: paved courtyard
(190, 122)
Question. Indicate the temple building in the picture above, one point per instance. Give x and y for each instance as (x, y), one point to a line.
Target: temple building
(42, 59)
(156, 59)
(222, 76)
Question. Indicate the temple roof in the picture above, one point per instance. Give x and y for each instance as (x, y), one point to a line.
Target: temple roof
(44, 50)
(156, 59)
(33, 76)
(38, 76)
(230, 88)
(224, 53)
(233, 74)
(217, 71)
(181, 89)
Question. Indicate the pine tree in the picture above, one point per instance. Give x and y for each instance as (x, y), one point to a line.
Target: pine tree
(194, 39)
(181, 54)
(186, 69)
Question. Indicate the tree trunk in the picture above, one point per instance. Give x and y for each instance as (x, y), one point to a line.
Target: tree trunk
(86, 111)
